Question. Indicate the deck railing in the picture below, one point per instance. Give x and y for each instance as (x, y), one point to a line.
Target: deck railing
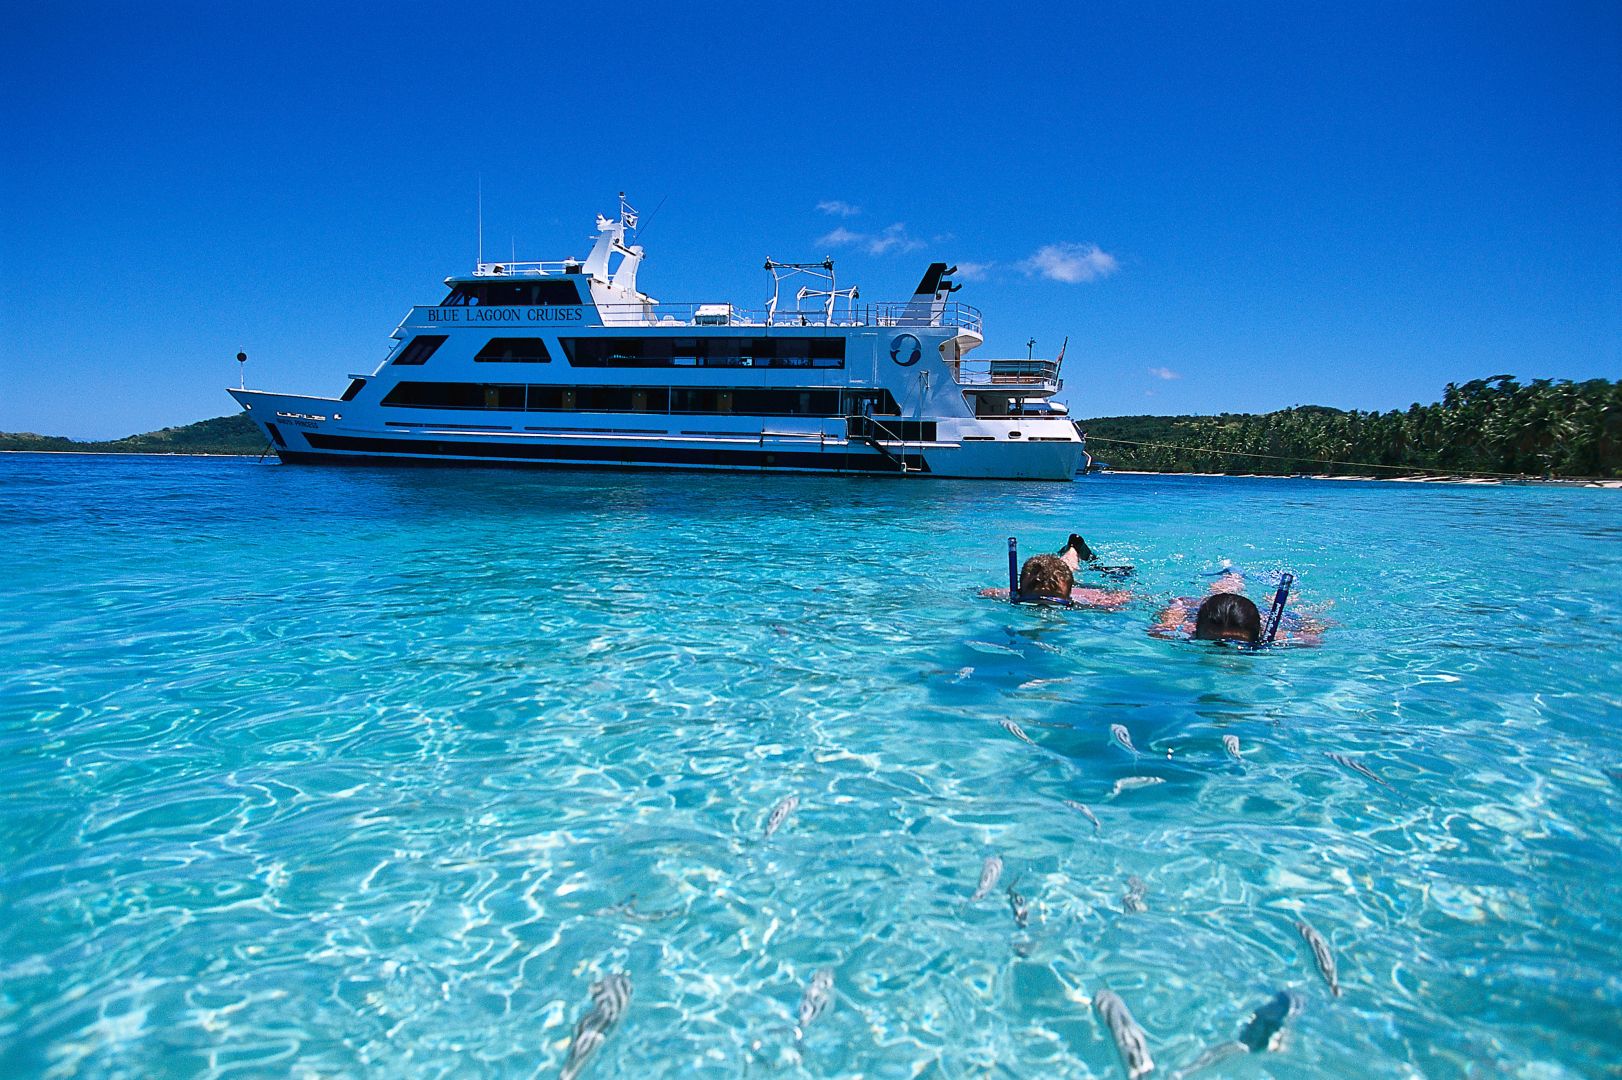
(887, 313)
(1014, 373)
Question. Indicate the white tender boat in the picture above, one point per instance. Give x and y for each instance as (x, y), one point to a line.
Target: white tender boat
(569, 364)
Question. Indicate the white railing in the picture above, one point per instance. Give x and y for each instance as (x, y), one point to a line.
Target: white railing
(898, 314)
(518, 269)
(890, 313)
(1018, 373)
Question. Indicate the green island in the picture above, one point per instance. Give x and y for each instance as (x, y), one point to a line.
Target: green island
(1495, 427)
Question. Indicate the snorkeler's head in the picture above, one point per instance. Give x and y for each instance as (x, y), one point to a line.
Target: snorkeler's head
(1228, 617)
(1046, 575)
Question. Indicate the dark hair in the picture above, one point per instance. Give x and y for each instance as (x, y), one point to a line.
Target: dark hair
(1228, 615)
(1046, 575)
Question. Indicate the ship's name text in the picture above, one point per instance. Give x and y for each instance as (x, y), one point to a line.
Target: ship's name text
(479, 315)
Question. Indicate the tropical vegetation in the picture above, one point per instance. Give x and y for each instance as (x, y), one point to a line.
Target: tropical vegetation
(1496, 426)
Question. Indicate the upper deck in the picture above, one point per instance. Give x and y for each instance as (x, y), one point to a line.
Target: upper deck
(679, 315)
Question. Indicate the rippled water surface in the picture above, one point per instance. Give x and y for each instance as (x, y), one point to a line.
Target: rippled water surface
(356, 772)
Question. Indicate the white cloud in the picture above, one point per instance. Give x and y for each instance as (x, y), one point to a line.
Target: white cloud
(838, 208)
(973, 271)
(1071, 263)
(893, 238)
(1164, 373)
(840, 237)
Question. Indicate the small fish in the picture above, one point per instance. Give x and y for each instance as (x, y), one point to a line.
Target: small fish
(1016, 731)
(993, 648)
(816, 998)
(1017, 904)
(629, 911)
(990, 871)
(1321, 954)
(1355, 766)
(1119, 733)
(1212, 1055)
(1129, 1038)
(780, 814)
(1037, 684)
(1129, 783)
(1265, 1029)
(609, 998)
(1132, 899)
(962, 673)
(1230, 743)
(1082, 809)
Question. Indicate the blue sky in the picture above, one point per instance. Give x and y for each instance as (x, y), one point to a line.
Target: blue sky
(1224, 206)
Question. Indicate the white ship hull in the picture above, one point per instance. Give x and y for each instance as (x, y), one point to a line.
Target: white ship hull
(306, 432)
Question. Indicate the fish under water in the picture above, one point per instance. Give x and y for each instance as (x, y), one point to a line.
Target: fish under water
(1122, 736)
(990, 871)
(1085, 811)
(1131, 783)
(1263, 1032)
(814, 1002)
(1230, 743)
(1321, 956)
(1016, 731)
(1265, 1028)
(1354, 765)
(780, 814)
(1132, 900)
(610, 996)
(963, 673)
(1017, 904)
(1130, 1041)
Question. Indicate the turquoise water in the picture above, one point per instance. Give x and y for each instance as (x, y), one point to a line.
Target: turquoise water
(354, 772)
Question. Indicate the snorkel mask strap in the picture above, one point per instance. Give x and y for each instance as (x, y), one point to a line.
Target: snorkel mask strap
(1276, 612)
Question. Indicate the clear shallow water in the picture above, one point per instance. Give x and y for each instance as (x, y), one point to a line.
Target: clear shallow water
(358, 772)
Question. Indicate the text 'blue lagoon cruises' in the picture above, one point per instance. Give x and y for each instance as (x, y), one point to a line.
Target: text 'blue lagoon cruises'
(569, 364)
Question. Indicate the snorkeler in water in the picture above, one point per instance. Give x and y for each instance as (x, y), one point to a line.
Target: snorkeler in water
(1226, 614)
(1054, 577)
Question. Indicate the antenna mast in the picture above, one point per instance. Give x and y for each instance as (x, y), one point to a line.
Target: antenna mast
(481, 221)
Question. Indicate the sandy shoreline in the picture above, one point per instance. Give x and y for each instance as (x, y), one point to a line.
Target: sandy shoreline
(1475, 480)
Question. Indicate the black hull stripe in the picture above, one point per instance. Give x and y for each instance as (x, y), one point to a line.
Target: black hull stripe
(443, 450)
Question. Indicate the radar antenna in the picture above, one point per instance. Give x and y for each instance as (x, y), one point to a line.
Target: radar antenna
(822, 272)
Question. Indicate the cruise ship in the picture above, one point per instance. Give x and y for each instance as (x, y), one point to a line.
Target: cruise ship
(569, 364)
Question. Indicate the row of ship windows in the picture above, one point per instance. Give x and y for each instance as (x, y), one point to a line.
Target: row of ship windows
(647, 352)
(744, 400)
(511, 294)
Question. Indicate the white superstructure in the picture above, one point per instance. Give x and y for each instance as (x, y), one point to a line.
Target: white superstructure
(569, 364)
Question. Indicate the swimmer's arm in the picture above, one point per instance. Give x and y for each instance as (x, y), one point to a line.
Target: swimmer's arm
(1108, 599)
(1170, 618)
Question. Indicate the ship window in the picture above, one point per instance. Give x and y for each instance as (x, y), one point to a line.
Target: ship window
(705, 351)
(514, 294)
(354, 388)
(743, 401)
(514, 350)
(870, 403)
(437, 395)
(419, 349)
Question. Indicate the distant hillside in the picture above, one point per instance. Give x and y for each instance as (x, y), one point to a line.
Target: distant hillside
(222, 435)
(1488, 427)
